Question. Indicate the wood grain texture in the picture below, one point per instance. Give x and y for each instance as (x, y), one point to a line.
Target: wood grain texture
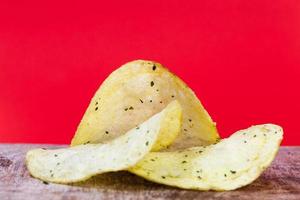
(280, 181)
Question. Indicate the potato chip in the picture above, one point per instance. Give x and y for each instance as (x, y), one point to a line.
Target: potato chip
(227, 165)
(133, 93)
(83, 161)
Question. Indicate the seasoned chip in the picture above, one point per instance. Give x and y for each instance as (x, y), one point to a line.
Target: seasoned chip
(83, 161)
(133, 93)
(121, 127)
(227, 165)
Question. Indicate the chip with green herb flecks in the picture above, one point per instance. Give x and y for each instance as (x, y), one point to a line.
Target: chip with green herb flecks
(227, 165)
(133, 93)
(83, 161)
(142, 108)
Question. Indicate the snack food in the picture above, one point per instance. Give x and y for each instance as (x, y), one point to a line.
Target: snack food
(227, 165)
(142, 108)
(83, 161)
(133, 93)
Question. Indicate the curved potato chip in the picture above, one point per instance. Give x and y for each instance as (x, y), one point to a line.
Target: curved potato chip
(227, 165)
(133, 93)
(83, 161)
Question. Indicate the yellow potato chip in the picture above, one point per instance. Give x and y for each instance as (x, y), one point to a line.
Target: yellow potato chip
(133, 93)
(83, 161)
(227, 165)
(142, 107)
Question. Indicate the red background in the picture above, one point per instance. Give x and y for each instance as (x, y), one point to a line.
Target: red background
(241, 58)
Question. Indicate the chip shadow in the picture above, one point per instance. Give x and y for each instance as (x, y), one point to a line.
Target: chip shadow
(121, 180)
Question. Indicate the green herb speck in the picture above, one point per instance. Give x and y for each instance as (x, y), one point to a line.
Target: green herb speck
(154, 67)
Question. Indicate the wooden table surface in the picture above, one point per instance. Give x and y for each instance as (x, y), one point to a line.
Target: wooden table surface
(280, 181)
